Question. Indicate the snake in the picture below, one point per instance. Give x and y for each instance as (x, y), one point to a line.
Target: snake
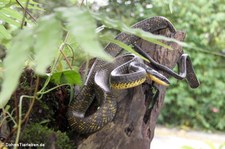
(125, 71)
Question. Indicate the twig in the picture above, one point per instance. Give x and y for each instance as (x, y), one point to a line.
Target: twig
(51, 89)
(32, 102)
(61, 48)
(25, 11)
(64, 56)
(72, 51)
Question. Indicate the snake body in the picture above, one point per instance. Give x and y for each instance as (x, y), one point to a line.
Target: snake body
(149, 25)
(125, 71)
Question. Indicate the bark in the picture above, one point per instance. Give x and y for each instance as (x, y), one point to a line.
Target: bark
(134, 124)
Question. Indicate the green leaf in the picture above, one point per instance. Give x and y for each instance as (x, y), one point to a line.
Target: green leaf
(110, 23)
(12, 13)
(171, 6)
(14, 63)
(4, 33)
(82, 26)
(66, 77)
(48, 35)
(4, 3)
(7, 19)
(123, 45)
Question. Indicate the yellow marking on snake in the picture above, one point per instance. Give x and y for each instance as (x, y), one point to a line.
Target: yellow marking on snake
(128, 84)
(2, 145)
(157, 80)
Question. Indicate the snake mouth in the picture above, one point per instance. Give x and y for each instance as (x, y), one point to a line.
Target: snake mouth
(157, 77)
(159, 81)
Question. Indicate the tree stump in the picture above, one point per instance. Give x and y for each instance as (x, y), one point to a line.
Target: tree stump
(134, 123)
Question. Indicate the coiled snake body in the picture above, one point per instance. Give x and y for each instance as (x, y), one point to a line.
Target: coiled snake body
(125, 71)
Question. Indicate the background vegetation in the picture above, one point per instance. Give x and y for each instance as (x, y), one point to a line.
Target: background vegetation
(29, 40)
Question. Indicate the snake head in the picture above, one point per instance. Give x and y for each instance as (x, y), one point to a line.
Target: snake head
(157, 77)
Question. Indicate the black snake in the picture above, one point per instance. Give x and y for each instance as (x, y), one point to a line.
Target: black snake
(125, 71)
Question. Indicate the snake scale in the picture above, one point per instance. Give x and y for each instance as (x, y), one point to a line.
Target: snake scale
(126, 71)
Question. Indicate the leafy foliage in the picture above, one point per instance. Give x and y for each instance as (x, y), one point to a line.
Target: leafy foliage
(41, 43)
(13, 70)
(83, 34)
(46, 136)
(64, 77)
(48, 36)
(4, 33)
(11, 18)
(134, 31)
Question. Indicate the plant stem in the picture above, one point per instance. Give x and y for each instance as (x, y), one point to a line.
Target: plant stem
(33, 100)
(20, 119)
(51, 89)
(25, 11)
